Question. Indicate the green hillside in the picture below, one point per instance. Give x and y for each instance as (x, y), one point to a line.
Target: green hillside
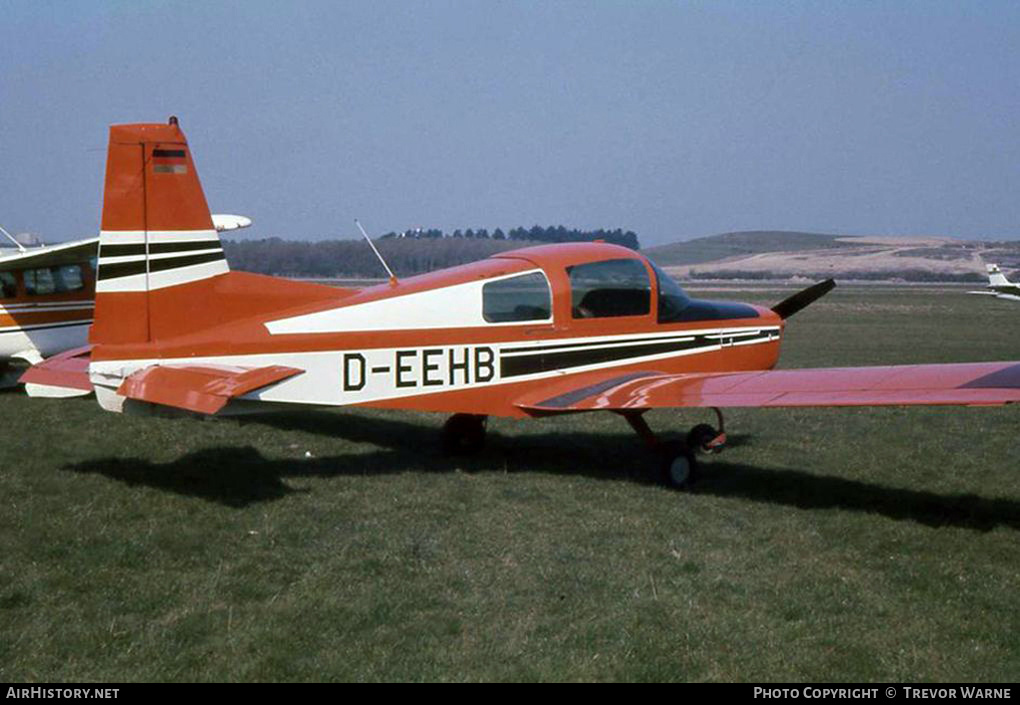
(749, 242)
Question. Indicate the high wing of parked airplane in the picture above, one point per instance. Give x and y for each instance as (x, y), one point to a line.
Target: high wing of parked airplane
(999, 286)
(542, 330)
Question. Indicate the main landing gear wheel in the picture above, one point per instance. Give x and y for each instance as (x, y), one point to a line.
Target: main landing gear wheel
(464, 434)
(678, 466)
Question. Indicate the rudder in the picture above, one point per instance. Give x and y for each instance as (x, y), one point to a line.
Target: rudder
(995, 276)
(156, 230)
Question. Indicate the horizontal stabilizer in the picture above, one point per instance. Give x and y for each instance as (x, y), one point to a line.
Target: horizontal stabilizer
(966, 384)
(63, 375)
(224, 222)
(203, 389)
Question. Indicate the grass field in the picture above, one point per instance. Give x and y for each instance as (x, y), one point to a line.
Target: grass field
(857, 545)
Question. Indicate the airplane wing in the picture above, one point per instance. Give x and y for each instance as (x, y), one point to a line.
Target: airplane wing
(968, 384)
(204, 389)
(49, 255)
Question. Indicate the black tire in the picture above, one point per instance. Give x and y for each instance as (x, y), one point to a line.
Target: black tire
(699, 436)
(464, 434)
(678, 467)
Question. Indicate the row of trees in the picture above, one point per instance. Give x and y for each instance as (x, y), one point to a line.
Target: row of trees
(407, 254)
(333, 259)
(535, 233)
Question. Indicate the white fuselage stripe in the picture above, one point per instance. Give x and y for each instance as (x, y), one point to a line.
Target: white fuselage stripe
(357, 376)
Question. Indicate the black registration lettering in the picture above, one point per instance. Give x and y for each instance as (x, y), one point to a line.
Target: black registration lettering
(484, 369)
(462, 366)
(427, 368)
(404, 370)
(353, 372)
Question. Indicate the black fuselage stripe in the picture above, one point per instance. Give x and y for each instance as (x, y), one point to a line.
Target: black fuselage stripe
(45, 326)
(168, 153)
(127, 269)
(549, 361)
(755, 332)
(590, 343)
(156, 248)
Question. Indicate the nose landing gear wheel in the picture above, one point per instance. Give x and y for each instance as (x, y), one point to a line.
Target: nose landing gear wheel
(464, 434)
(679, 467)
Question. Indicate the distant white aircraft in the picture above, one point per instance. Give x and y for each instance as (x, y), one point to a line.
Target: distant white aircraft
(999, 286)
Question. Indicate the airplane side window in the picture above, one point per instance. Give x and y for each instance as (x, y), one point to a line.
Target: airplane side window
(616, 287)
(39, 282)
(68, 278)
(8, 285)
(523, 298)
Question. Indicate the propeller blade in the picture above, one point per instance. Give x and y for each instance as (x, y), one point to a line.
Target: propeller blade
(802, 299)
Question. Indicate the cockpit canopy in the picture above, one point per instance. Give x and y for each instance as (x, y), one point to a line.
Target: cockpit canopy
(600, 287)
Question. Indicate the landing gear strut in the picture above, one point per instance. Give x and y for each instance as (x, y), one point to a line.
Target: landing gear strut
(678, 463)
(464, 434)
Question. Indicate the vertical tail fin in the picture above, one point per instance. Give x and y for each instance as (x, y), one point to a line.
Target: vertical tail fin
(156, 232)
(995, 276)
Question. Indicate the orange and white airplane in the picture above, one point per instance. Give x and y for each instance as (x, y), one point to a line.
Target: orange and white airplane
(533, 332)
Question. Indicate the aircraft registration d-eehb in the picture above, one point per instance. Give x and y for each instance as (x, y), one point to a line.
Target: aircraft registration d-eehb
(534, 332)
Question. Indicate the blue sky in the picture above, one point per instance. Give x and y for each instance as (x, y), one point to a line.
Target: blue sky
(673, 119)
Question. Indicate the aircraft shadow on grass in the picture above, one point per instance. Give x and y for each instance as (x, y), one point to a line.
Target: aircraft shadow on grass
(240, 476)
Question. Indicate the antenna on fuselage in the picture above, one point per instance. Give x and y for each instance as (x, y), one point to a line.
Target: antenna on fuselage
(21, 248)
(393, 277)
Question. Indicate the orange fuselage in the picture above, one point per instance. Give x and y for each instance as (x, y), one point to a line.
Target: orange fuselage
(425, 343)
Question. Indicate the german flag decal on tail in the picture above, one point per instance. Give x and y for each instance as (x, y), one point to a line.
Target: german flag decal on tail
(169, 161)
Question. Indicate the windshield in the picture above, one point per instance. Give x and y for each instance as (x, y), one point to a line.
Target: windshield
(613, 287)
(672, 299)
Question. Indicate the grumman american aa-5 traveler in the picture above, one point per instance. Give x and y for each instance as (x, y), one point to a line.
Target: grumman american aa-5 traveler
(534, 332)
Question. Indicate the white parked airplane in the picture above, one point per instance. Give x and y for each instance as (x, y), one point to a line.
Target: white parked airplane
(999, 286)
(46, 302)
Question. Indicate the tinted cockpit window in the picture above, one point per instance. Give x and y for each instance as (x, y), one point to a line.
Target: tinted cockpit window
(672, 299)
(39, 282)
(68, 277)
(523, 298)
(8, 285)
(616, 287)
(53, 280)
(675, 306)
